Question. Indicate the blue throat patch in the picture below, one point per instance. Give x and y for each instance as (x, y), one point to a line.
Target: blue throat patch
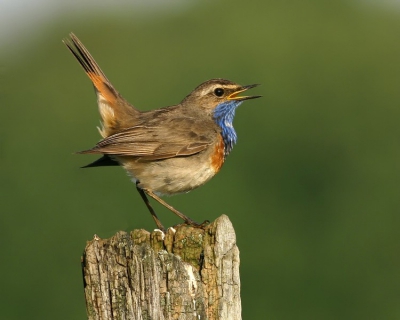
(223, 116)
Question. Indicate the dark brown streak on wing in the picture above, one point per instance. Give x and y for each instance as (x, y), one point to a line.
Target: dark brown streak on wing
(148, 151)
(127, 135)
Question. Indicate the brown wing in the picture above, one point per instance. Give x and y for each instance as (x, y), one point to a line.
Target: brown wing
(157, 142)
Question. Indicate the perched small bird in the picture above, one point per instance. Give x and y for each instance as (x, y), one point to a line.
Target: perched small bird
(169, 150)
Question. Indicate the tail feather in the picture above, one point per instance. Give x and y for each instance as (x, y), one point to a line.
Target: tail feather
(104, 161)
(115, 111)
(92, 69)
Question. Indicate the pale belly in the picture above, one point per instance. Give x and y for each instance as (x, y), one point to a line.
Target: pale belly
(171, 176)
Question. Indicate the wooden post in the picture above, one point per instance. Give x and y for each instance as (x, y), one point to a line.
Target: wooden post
(187, 273)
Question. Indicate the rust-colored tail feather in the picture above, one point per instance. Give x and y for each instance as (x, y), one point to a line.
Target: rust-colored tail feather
(92, 69)
(115, 111)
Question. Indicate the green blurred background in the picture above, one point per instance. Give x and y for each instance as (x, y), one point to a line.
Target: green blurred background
(312, 187)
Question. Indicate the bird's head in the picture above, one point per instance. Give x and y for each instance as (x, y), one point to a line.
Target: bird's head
(218, 95)
(219, 99)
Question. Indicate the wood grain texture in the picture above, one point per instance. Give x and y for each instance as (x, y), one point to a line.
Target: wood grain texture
(187, 273)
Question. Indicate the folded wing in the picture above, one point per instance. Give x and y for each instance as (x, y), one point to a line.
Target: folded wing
(156, 142)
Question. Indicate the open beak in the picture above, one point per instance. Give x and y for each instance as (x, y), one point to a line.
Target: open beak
(234, 96)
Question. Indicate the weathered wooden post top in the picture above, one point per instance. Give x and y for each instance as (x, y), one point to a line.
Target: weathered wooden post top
(186, 273)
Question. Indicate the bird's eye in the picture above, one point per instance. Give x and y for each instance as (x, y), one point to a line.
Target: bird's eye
(219, 92)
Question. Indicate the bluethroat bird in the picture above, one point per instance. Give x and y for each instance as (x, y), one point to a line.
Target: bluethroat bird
(169, 150)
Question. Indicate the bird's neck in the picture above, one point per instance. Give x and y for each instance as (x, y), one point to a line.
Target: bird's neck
(223, 116)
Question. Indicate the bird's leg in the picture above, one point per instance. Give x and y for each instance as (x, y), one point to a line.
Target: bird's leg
(179, 214)
(146, 201)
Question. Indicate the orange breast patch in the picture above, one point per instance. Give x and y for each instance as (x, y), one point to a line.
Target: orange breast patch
(218, 157)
